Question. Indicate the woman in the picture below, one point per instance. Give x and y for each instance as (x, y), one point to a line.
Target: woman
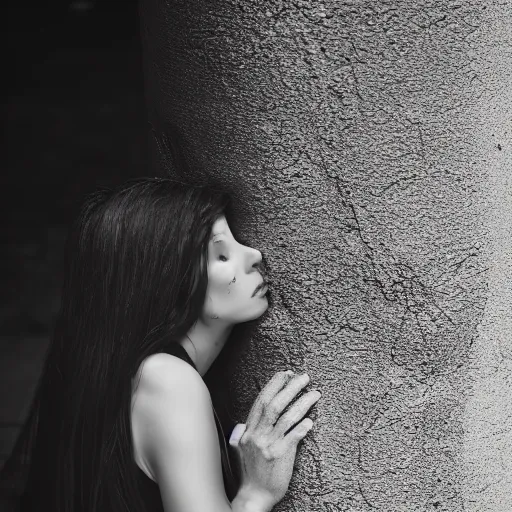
(122, 419)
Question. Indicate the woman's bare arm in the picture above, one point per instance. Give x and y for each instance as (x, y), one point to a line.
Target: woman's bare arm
(179, 439)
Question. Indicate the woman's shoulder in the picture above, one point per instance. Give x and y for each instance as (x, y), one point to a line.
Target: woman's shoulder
(169, 393)
(167, 373)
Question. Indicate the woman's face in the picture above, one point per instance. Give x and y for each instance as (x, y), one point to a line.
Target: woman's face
(233, 276)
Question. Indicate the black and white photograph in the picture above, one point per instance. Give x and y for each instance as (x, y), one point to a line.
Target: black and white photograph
(256, 256)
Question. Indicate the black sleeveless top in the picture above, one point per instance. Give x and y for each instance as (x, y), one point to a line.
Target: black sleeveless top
(149, 488)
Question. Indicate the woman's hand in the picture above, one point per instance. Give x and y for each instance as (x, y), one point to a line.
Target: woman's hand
(266, 450)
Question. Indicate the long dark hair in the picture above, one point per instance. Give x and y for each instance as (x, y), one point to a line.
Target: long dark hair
(136, 281)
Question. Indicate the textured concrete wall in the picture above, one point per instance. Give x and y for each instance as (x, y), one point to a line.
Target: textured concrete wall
(368, 145)
(487, 448)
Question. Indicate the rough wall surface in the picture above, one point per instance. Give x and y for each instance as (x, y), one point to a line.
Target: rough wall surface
(487, 449)
(368, 145)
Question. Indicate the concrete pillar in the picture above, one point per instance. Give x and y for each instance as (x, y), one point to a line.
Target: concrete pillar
(368, 145)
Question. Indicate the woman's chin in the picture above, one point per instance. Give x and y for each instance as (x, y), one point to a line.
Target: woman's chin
(256, 312)
(263, 306)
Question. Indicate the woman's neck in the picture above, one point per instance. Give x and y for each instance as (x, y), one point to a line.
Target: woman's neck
(203, 343)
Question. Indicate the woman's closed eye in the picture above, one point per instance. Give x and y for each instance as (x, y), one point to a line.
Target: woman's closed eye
(223, 258)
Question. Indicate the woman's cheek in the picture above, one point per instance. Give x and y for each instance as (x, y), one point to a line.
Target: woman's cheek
(222, 287)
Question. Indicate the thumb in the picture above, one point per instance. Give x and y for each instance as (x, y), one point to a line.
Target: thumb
(237, 434)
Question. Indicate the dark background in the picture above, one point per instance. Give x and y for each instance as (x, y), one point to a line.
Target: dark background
(74, 119)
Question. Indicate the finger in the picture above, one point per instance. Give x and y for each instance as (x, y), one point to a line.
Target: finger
(275, 384)
(295, 413)
(282, 399)
(237, 433)
(299, 432)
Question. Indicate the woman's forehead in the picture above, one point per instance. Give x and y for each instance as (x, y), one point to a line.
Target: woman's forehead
(220, 226)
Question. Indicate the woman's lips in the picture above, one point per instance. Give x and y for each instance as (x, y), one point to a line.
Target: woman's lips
(262, 286)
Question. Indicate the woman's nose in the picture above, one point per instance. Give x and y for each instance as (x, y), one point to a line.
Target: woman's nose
(255, 258)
